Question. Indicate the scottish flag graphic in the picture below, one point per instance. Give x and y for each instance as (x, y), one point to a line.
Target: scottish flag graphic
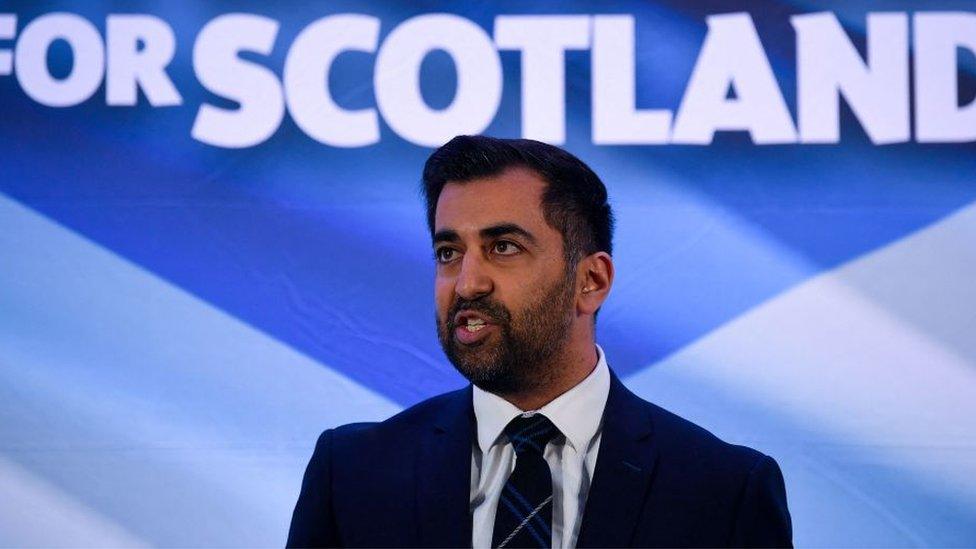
(213, 246)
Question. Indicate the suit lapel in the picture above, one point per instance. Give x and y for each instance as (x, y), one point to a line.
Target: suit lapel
(443, 476)
(622, 476)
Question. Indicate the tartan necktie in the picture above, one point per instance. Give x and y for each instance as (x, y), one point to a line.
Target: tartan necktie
(524, 514)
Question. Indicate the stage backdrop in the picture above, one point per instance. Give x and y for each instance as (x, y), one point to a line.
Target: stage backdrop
(212, 244)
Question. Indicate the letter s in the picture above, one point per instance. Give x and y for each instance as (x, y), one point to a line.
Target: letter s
(254, 87)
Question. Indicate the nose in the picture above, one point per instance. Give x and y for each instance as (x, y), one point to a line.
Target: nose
(473, 280)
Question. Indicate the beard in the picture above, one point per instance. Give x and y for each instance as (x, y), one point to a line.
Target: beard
(521, 358)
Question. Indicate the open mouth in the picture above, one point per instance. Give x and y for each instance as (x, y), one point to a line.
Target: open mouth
(472, 327)
(475, 325)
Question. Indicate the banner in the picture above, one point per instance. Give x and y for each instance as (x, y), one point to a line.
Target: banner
(214, 247)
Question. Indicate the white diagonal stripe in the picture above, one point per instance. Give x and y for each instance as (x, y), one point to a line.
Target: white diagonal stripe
(140, 401)
(524, 522)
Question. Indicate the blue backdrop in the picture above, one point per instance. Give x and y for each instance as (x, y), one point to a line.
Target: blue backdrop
(180, 317)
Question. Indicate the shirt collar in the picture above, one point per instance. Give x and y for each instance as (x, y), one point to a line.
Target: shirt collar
(576, 413)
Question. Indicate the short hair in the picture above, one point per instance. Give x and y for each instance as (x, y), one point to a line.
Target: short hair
(574, 201)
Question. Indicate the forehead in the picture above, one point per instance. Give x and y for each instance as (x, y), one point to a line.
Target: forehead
(513, 196)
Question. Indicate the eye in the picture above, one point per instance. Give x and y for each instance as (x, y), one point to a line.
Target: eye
(505, 247)
(445, 254)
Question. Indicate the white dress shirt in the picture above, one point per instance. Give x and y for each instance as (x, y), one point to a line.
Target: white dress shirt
(578, 415)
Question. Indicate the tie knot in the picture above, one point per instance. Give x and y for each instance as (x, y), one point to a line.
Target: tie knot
(530, 434)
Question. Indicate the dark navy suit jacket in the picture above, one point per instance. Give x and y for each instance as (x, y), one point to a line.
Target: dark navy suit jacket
(659, 481)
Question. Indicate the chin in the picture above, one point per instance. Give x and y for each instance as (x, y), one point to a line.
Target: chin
(481, 367)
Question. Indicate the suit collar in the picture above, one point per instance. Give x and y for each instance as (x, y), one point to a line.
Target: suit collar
(624, 467)
(576, 413)
(621, 479)
(443, 474)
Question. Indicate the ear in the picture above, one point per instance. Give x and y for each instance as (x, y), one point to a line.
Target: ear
(594, 277)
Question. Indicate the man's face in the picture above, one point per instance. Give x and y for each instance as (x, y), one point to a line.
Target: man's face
(505, 301)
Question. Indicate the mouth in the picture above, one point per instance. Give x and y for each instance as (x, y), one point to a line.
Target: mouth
(472, 327)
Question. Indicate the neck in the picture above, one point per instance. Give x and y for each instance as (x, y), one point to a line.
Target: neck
(568, 369)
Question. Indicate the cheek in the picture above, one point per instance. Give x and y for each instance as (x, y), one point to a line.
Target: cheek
(518, 293)
(529, 294)
(443, 296)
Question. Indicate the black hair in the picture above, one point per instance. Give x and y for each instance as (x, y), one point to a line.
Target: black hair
(574, 202)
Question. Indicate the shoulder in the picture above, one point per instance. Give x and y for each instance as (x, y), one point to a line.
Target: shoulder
(688, 450)
(677, 435)
(408, 424)
(711, 486)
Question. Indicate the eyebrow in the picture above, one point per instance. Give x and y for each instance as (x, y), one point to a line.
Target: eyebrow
(445, 235)
(502, 229)
(493, 231)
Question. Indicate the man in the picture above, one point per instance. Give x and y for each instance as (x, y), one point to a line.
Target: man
(547, 447)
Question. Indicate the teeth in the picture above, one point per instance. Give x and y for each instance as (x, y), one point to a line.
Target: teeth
(474, 325)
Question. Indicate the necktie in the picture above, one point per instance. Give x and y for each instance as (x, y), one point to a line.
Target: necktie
(524, 514)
